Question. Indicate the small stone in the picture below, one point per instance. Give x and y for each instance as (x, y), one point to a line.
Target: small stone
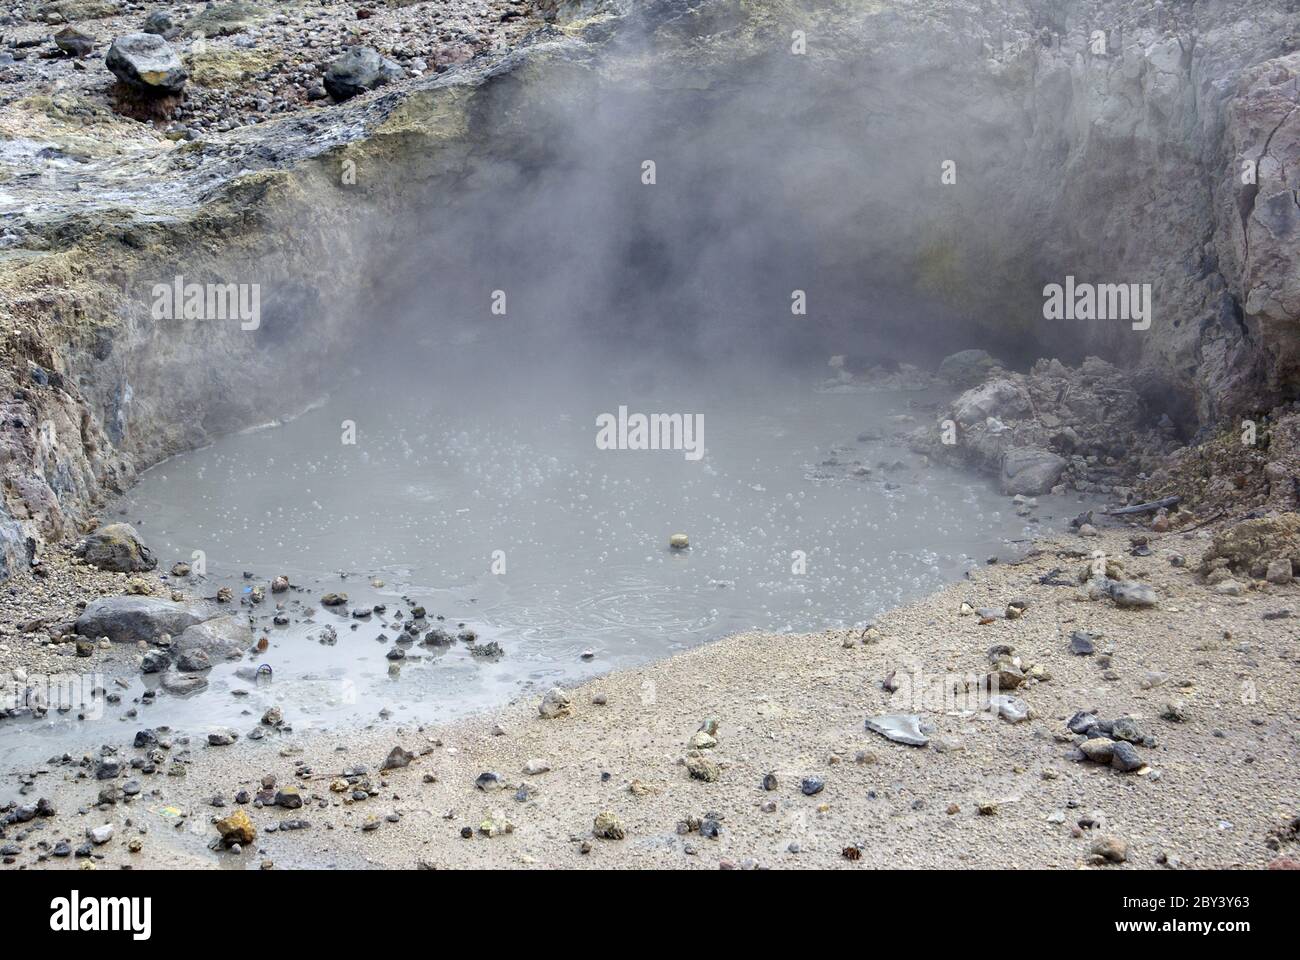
(100, 835)
(556, 703)
(535, 766)
(811, 786)
(899, 727)
(702, 741)
(701, 768)
(679, 541)
(1125, 758)
(1174, 711)
(1098, 749)
(1081, 644)
(608, 827)
(489, 781)
(1109, 850)
(236, 829)
(397, 758)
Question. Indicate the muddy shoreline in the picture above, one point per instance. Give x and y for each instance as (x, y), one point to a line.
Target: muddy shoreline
(1214, 790)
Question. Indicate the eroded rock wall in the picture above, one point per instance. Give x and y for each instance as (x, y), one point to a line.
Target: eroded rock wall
(1118, 161)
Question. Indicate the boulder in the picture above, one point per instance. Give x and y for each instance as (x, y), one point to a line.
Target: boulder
(73, 42)
(117, 548)
(966, 368)
(145, 62)
(1003, 398)
(358, 70)
(221, 638)
(131, 619)
(1030, 471)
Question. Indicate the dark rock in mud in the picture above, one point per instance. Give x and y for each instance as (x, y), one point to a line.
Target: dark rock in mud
(73, 42)
(116, 548)
(160, 22)
(145, 62)
(1081, 644)
(397, 758)
(155, 661)
(358, 70)
(221, 638)
(130, 619)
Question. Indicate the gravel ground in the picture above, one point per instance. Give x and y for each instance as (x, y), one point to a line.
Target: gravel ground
(1214, 788)
(270, 63)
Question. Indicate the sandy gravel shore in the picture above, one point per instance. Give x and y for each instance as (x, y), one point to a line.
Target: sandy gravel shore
(1215, 787)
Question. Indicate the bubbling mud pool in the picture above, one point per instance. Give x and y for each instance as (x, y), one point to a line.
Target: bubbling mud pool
(496, 511)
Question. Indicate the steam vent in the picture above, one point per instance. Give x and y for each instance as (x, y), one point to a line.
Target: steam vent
(646, 435)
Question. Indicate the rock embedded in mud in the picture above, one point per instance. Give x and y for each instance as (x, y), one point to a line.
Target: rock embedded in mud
(358, 70)
(131, 619)
(220, 638)
(183, 684)
(116, 548)
(73, 42)
(145, 62)
(556, 703)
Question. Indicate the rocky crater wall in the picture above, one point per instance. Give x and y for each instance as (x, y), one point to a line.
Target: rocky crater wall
(1115, 163)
